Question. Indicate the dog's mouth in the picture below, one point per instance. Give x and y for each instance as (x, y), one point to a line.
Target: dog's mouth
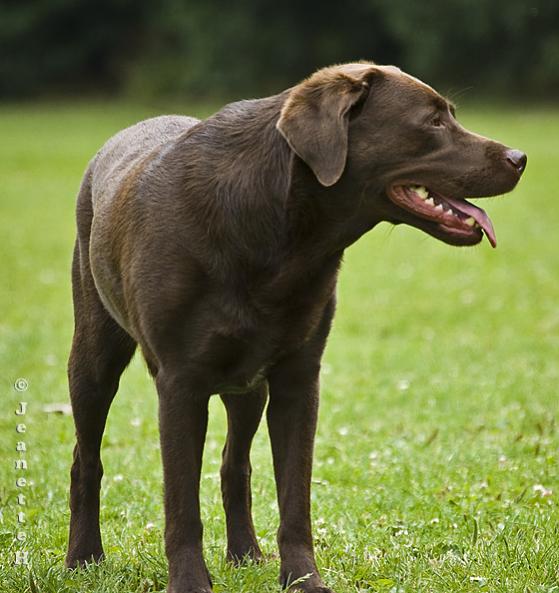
(453, 220)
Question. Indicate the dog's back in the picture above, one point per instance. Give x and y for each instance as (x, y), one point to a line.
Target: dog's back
(127, 148)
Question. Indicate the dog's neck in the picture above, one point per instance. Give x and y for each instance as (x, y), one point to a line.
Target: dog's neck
(327, 219)
(263, 199)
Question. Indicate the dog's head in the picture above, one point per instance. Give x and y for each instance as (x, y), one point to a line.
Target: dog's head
(393, 141)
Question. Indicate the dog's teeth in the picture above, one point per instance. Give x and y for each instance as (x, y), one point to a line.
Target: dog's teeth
(439, 208)
(422, 192)
(430, 201)
(470, 221)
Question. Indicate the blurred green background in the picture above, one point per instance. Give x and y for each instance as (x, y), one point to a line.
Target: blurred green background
(204, 48)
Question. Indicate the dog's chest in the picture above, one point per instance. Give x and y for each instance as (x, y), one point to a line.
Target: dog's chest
(244, 349)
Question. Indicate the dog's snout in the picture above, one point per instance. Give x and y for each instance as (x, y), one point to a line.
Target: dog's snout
(517, 159)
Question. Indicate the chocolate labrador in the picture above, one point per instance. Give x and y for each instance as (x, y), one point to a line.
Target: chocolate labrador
(215, 246)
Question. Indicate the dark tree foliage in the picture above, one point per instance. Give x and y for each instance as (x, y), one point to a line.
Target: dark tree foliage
(208, 48)
(67, 44)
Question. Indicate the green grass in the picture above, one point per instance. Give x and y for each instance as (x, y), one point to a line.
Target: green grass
(439, 398)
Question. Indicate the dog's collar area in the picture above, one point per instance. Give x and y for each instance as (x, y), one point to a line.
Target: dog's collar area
(452, 215)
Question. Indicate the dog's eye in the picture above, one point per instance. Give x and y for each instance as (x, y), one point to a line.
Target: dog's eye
(437, 122)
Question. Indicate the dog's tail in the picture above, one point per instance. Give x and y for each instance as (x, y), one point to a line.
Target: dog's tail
(84, 207)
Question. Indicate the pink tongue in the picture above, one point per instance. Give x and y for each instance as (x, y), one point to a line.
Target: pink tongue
(478, 215)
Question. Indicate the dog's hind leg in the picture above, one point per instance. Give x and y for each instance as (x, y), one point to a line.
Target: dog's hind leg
(101, 349)
(244, 412)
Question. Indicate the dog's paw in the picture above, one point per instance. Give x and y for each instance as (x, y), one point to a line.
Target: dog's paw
(299, 589)
(74, 561)
(196, 590)
(305, 585)
(238, 557)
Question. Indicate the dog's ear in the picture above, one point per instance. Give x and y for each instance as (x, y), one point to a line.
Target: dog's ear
(315, 118)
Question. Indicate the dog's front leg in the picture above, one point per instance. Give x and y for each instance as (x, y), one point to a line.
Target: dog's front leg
(292, 415)
(183, 419)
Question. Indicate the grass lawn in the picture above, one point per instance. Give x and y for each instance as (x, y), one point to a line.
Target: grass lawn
(437, 452)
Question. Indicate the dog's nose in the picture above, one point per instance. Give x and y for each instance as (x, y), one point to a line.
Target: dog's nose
(517, 159)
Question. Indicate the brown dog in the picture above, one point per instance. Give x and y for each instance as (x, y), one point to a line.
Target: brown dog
(215, 245)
